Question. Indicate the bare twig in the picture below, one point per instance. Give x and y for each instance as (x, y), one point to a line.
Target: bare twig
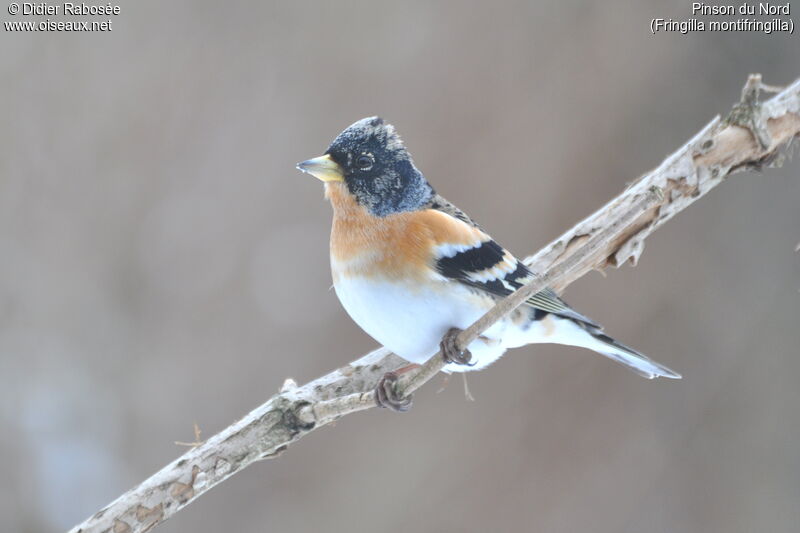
(196, 442)
(754, 136)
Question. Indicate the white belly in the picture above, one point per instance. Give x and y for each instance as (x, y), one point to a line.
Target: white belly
(411, 322)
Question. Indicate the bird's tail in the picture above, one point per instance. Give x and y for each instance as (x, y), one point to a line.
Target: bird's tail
(633, 360)
(589, 335)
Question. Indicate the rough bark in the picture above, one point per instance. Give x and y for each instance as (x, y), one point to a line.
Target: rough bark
(752, 136)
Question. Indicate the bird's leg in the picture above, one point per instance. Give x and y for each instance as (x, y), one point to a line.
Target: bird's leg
(450, 350)
(386, 391)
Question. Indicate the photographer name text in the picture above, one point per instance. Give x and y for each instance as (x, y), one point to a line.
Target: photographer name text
(66, 8)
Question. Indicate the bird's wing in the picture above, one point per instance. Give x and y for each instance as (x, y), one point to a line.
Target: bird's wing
(440, 203)
(483, 264)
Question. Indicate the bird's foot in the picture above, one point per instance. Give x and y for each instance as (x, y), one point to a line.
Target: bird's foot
(386, 394)
(450, 350)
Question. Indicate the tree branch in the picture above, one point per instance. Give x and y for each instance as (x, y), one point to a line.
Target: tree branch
(753, 136)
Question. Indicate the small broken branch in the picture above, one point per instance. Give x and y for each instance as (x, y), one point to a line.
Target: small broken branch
(753, 136)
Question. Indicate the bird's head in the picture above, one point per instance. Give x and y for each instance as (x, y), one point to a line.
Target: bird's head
(371, 160)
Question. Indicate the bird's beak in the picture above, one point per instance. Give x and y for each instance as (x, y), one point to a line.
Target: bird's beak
(323, 168)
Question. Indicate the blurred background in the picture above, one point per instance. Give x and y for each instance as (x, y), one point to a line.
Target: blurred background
(162, 263)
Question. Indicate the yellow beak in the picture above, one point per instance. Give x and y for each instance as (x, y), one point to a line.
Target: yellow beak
(323, 168)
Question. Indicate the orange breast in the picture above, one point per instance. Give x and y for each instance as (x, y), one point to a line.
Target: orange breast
(400, 246)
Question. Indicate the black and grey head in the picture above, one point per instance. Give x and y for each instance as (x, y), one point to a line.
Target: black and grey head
(376, 167)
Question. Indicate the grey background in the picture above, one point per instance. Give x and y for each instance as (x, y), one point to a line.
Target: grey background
(163, 263)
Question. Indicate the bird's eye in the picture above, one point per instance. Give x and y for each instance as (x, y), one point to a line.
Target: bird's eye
(364, 162)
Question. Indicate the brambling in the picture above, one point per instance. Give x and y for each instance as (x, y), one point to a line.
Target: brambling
(412, 269)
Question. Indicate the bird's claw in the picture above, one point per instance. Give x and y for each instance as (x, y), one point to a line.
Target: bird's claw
(386, 394)
(451, 352)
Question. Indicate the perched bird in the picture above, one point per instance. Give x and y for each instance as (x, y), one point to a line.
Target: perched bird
(410, 268)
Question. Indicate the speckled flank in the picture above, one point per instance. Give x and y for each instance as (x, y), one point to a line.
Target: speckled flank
(548, 326)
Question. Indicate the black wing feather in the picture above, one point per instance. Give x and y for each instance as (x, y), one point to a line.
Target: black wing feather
(463, 266)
